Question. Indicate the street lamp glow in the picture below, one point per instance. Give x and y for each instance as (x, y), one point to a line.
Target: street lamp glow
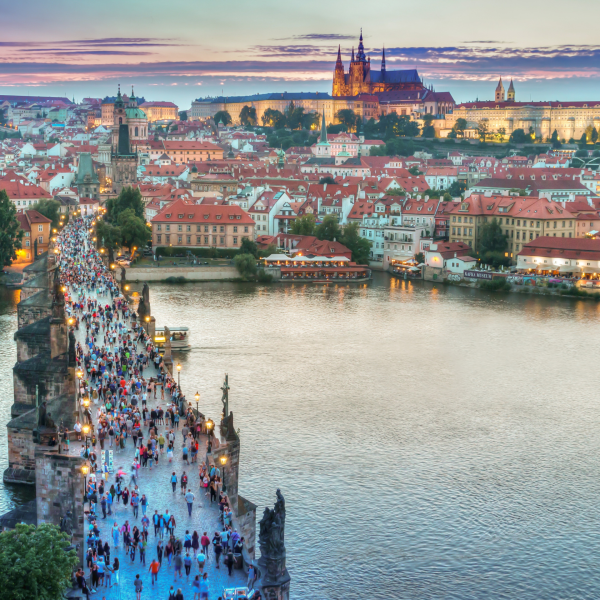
(86, 402)
(197, 396)
(85, 469)
(178, 367)
(223, 460)
(85, 429)
(79, 373)
(147, 319)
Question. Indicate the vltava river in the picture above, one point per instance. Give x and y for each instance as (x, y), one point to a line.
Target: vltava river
(430, 442)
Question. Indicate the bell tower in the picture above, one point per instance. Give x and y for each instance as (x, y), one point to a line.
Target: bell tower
(339, 78)
(500, 91)
(510, 96)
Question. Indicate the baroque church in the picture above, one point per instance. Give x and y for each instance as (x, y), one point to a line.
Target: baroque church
(361, 79)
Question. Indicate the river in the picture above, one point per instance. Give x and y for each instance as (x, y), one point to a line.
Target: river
(430, 441)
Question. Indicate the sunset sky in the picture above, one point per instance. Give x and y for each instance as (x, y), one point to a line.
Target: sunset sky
(180, 50)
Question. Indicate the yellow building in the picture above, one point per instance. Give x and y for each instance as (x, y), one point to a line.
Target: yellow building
(160, 111)
(522, 219)
(569, 119)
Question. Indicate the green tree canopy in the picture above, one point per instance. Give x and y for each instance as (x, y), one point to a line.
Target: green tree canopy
(310, 120)
(248, 116)
(50, 208)
(347, 117)
(246, 266)
(35, 563)
(134, 230)
(329, 229)
(460, 126)
(414, 171)
(304, 225)
(327, 179)
(483, 130)
(10, 232)
(183, 116)
(492, 243)
(293, 116)
(273, 118)
(222, 116)
(129, 198)
(457, 188)
(518, 136)
(249, 246)
(360, 247)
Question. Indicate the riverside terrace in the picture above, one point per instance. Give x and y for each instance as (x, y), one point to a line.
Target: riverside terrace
(154, 480)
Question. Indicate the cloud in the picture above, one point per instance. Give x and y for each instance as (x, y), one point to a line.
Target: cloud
(93, 42)
(80, 52)
(323, 36)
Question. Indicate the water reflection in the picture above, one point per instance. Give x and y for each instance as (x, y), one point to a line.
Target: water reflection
(431, 441)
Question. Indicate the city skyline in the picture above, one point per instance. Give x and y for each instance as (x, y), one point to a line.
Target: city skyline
(200, 50)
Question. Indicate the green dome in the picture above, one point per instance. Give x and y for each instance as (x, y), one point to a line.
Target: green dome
(194, 169)
(135, 113)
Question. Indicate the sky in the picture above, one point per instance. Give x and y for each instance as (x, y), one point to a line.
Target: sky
(180, 50)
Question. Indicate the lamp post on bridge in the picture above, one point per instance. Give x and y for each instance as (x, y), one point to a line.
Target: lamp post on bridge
(223, 461)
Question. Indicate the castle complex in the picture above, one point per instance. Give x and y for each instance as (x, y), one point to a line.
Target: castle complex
(361, 79)
(569, 119)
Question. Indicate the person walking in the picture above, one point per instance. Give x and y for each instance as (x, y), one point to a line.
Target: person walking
(229, 562)
(205, 543)
(139, 586)
(189, 498)
(178, 563)
(174, 481)
(156, 522)
(159, 551)
(204, 587)
(187, 563)
(153, 570)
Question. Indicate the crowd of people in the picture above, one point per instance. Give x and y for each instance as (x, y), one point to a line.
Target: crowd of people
(113, 355)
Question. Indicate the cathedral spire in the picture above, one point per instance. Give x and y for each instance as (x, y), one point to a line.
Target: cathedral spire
(323, 130)
(383, 61)
(352, 59)
(338, 62)
(360, 56)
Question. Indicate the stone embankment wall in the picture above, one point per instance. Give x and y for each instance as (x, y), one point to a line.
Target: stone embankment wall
(190, 273)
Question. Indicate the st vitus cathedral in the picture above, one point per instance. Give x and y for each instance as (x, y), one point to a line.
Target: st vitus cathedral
(361, 79)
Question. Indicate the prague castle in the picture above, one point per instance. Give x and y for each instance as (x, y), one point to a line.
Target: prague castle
(569, 119)
(361, 79)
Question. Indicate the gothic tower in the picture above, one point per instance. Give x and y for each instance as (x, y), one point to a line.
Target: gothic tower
(339, 76)
(510, 96)
(500, 91)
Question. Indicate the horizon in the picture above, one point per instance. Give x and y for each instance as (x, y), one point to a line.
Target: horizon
(188, 54)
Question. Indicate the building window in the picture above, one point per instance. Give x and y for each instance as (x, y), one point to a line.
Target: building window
(198, 239)
(27, 243)
(189, 239)
(235, 229)
(235, 241)
(214, 229)
(40, 228)
(41, 239)
(159, 227)
(222, 241)
(188, 228)
(168, 227)
(168, 239)
(179, 228)
(206, 239)
(222, 229)
(179, 239)
(245, 229)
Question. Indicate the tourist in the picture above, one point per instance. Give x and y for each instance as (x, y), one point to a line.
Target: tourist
(189, 498)
(187, 563)
(205, 543)
(174, 481)
(201, 558)
(204, 587)
(178, 563)
(137, 584)
(154, 568)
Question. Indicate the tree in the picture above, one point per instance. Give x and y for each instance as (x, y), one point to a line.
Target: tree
(554, 139)
(347, 117)
(360, 247)
(327, 179)
(134, 230)
(329, 229)
(594, 135)
(273, 118)
(414, 171)
(420, 257)
(35, 563)
(501, 134)
(310, 120)
(128, 198)
(482, 130)
(10, 232)
(249, 247)
(183, 116)
(293, 116)
(460, 127)
(248, 116)
(110, 235)
(457, 188)
(428, 131)
(492, 244)
(518, 136)
(222, 116)
(50, 208)
(246, 266)
(304, 225)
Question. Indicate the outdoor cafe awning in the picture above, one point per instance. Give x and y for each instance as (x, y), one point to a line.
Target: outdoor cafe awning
(589, 270)
(569, 269)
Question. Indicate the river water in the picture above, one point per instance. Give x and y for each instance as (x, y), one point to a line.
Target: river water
(431, 442)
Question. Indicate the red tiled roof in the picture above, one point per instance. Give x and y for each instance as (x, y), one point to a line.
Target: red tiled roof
(202, 213)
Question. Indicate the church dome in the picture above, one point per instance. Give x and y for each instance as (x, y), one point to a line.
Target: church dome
(135, 113)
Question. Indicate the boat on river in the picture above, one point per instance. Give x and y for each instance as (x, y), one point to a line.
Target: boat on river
(180, 338)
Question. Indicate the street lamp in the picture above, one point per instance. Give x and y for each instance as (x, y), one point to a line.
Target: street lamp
(178, 373)
(71, 321)
(86, 430)
(79, 372)
(223, 461)
(85, 470)
(197, 397)
(209, 425)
